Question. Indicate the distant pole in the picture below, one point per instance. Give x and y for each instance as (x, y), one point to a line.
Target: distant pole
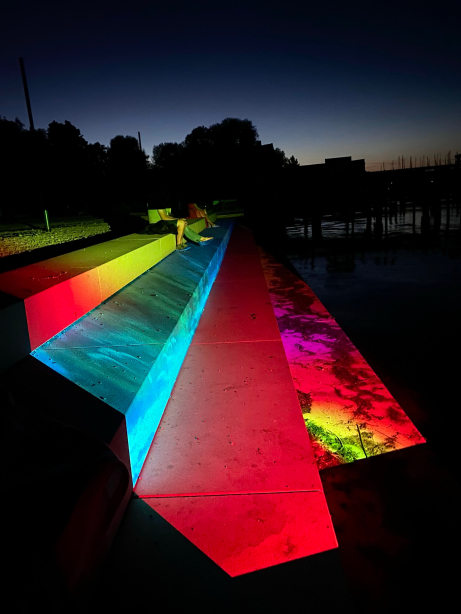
(32, 129)
(139, 139)
(26, 92)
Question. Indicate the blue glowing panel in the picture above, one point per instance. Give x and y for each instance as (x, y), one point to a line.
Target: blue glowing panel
(128, 351)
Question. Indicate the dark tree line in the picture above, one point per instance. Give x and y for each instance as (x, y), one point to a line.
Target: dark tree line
(59, 170)
(225, 160)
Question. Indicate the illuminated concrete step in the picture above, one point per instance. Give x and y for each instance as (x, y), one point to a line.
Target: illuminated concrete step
(348, 411)
(231, 466)
(39, 300)
(126, 353)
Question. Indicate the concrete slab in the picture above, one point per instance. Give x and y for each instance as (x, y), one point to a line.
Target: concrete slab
(149, 310)
(244, 243)
(149, 552)
(58, 306)
(246, 533)
(113, 374)
(231, 466)
(238, 311)
(233, 424)
(197, 224)
(14, 332)
(138, 237)
(348, 411)
(59, 291)
(240, 268)
(35, 278)
(103, 252)
(119, 272)
(128, 351)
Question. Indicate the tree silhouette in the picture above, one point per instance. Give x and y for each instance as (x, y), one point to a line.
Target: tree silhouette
(199, 138)
(224, 160)
(211, 162)
(233, 132)
(127, 169)
(167, 155)
(13, 145)
(66, 176)
(97, 156)
(291, 161)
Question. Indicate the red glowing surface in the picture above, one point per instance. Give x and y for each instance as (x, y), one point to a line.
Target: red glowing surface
(232, 424)
(50, 312)
(244, 533)
(59, 291)
(238, 311)
(54, 297)
(231, 466)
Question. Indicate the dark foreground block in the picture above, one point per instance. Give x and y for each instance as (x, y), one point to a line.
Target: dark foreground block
(152, 562)
(396, 517)
(14, 331)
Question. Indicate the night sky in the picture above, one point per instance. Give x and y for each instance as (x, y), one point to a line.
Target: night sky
(371, 80)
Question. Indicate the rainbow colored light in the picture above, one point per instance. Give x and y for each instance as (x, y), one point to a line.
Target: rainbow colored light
(348, 412)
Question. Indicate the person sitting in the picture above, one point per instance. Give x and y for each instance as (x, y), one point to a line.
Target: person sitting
(177, 226)
(195, 211)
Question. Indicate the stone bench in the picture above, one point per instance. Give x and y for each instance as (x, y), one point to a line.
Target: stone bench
(39, 300)
(111, 373)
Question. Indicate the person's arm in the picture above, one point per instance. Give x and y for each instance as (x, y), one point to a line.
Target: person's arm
(164, 215)
(204, 214)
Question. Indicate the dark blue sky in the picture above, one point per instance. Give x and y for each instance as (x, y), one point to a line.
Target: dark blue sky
(371, 80)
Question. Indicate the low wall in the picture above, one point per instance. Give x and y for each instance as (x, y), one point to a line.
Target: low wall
(111, 373)
(40, 300)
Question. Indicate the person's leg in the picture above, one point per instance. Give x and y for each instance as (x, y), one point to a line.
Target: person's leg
(193, 236)
(181, 225)
(209, 223)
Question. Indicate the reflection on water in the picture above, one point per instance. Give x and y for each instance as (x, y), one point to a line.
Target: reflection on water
(401, 308)
(400, 220)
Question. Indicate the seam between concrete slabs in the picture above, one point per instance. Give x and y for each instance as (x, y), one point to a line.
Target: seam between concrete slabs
(228, 494)
(233, 342)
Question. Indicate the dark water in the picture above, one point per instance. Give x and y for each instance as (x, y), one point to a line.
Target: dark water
(401, 307)
(399, 220)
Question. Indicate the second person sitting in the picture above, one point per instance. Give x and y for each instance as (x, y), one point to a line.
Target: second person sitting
(177, 226)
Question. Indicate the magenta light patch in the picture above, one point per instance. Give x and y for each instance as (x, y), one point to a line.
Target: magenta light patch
(348, 411)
